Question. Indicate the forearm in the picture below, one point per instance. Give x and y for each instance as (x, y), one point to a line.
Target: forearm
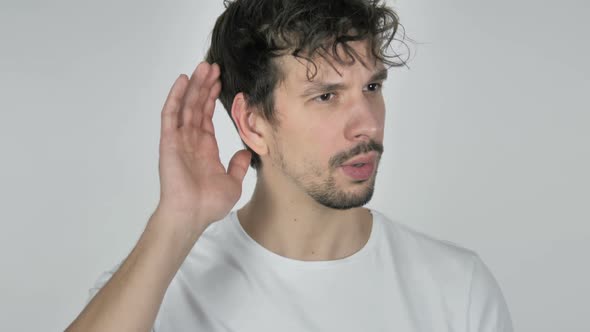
(131, 299)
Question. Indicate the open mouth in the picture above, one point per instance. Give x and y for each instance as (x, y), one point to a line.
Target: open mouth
(359, 171)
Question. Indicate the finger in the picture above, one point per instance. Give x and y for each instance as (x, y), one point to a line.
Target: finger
(172, 105)
(207, 121)
(203, 103)
(238, 165)
(189, 109)
(215, 89)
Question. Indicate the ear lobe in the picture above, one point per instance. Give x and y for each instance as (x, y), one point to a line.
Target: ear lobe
(248, 123)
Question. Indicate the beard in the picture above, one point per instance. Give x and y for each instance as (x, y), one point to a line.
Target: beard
(326, 193)
(323, 188)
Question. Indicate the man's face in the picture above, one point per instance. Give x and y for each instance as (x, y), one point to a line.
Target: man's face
(328, 123)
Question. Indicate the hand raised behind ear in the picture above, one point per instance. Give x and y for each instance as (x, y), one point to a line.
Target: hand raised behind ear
(195, 187)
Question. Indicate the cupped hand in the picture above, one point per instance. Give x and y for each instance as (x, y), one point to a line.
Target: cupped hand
(195, 187)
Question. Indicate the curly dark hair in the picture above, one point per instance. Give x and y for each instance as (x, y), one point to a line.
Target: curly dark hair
(249, 34)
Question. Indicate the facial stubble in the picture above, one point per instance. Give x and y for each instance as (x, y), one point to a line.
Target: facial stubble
(323, 188)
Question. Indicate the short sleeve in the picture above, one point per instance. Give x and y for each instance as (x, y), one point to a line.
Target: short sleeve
(487, 311)
(102, 280)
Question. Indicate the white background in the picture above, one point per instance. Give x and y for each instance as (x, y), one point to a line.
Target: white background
(487, 143)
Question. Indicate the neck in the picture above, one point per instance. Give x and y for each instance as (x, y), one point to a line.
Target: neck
(290, 223)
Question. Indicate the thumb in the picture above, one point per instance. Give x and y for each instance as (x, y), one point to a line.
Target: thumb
(238, 165)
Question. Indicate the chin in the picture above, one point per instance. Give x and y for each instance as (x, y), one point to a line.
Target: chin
(330, 196)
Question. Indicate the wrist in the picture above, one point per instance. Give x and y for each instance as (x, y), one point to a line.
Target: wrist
(172, 235)
(181, 227)
(179, 221)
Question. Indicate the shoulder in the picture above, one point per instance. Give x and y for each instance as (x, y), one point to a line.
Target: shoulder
(448, 271)
(215, 241)
(406, 242)
(426, 261)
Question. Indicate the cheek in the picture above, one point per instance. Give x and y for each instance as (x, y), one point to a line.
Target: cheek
(324, 141)
(308, 146)
(310, 140)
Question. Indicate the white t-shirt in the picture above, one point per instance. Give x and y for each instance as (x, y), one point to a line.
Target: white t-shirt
(401, 280)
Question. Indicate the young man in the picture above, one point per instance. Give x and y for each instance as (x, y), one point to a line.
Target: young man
(302, 83)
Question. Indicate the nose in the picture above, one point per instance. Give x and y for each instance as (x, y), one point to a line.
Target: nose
(366, 119)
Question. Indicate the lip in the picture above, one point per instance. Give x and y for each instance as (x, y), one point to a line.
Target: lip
(367, 158)
(360, 173)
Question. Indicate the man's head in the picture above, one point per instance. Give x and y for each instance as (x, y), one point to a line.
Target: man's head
(309, 73)
(251, 34)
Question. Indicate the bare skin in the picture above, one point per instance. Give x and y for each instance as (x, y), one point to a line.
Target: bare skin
(282, 215)
(195, 191)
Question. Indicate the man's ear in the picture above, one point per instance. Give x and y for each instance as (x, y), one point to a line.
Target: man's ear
(250, 124)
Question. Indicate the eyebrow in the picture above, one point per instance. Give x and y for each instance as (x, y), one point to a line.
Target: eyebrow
(317, 87)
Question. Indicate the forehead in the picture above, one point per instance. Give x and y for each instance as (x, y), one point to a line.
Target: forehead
(326, 67)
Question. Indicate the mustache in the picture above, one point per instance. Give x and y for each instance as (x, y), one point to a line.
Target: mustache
(365, 147)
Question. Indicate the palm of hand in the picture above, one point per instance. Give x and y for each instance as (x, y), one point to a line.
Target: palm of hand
(193, 181)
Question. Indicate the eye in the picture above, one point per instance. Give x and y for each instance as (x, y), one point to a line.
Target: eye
(374, 87)
(325, 97)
